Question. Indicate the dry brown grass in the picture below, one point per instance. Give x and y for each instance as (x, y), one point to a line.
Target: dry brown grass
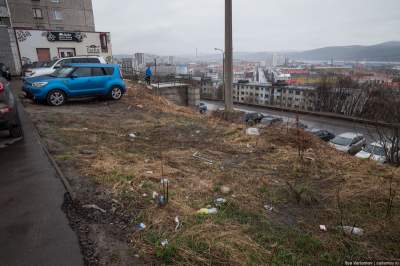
(256, 169)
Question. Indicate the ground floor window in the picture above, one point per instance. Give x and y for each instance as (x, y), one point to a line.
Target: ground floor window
(66, 52)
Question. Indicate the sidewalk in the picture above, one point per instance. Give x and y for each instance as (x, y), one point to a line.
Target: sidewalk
(33, 228)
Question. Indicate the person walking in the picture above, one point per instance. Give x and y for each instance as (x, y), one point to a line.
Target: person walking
(149, 73)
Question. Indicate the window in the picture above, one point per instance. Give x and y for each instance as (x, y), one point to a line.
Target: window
(55, 1)
(65, 62)
(83, 72)
(57, 15)
(92, 60)
(97, 71)
(37, 13)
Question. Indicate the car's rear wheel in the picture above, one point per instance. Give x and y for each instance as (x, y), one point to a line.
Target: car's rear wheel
(116, 93)
(56, 98)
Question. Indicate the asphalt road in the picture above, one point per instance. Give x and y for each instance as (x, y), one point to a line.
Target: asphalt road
(335, 126)
(33, 228)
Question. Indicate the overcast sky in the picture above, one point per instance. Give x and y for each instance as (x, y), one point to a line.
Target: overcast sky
(176, 27)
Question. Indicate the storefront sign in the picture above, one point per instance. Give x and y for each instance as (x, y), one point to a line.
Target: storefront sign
(93, 49)
(58, 36)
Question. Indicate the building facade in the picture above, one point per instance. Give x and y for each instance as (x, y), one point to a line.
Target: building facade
(295, 97)
(8, 44)
(43, 30)
(68, 15)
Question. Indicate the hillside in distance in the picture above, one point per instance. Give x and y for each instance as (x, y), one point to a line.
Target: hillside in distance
(388, 51)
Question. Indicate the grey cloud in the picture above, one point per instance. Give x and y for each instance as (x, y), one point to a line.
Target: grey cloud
(181, 26)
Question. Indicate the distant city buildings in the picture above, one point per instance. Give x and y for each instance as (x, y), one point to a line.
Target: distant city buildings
(139, 59)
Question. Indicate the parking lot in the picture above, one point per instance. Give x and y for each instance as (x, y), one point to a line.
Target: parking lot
(335, 126)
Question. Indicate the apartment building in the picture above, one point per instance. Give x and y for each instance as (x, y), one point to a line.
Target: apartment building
(43, 30)
(68, 15)
(295, 97)
(8, 45)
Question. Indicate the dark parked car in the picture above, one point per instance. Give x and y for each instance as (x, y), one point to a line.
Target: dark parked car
(271, 120)
(5, 72)
(9, 119)
(253, 118)
(325, 135)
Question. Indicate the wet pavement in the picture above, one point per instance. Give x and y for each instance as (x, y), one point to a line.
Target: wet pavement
(33, 228)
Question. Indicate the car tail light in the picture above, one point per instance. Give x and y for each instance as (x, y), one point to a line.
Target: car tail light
(5, 110)
(1, 87)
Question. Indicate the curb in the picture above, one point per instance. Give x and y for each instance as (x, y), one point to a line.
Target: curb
(64, 180)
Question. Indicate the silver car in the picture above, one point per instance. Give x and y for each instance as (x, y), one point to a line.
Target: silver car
(350, 143)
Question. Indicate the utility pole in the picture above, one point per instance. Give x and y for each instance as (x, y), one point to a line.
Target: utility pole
(228, 69)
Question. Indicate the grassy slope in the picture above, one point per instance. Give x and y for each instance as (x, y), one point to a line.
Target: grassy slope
(259, 170)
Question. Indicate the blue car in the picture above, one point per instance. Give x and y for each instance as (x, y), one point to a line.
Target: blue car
(76, 81)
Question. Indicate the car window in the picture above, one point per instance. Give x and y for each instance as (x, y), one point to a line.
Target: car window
(78, 60)
(109, 71)
(83, 72)
(92, 60)
(62, 72)
(97, 71)
(65, 62)
(356, 140)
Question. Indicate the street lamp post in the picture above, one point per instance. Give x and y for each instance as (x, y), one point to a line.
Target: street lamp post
(223, 69)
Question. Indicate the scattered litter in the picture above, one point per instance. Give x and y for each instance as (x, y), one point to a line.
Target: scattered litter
(350, 230)
(207, 211)
(219, 201)
(140, 226)
(94, 206)
(115, 201)
(252, 131)
(323, 228)
(129, 107)
(164, 242)
(149, 172)
(87, 152)
(161, 200)
(198, 131)
(268, 207)
(155, 195)
(132, 135)
(178, 223)
(140, 185)
(197, 156)
(136, 255)
(225, 190)
(85, 129)
(139, 106)
(310, 159)
(144, 195)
